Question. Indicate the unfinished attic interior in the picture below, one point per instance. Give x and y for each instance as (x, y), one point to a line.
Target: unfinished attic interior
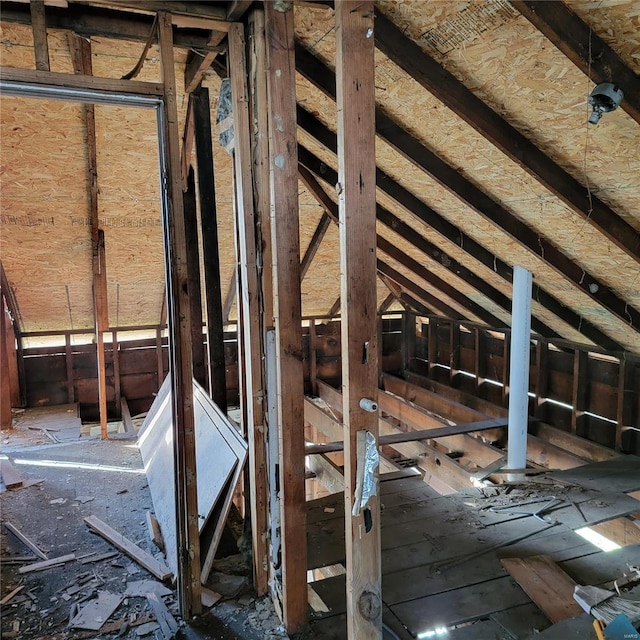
(320, 320)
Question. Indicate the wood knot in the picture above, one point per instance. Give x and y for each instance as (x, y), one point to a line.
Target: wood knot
(369, 605)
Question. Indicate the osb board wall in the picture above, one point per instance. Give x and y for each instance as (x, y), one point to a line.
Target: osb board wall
(44, 160)
(524, 77)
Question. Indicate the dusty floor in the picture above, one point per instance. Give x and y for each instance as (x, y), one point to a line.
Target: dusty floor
(83, 477)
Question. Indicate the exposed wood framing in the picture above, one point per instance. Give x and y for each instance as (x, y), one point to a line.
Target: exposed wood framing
(210, 250)
(88, 21)
(5, 386)
(101, 311)
(335, 308)
(314, 243)
(448, 89)
(159, 358)
(68, 359)
(249, 307)
(188, 537)
(287, 308)
(39, 28)
(68, 81)
(326, 472)
(586, 49)
(115, 354)
(357, 202)
(451, 179)
(580, 392)
(195, 287)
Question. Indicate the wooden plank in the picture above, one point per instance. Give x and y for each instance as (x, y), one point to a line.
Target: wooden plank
(357, 203)
(327, 472)
(12, 593)
(188, 543)
(580, 390)
(89, 21)
(283, 162)
(126, 416)
(249, 311)
(39, 28)
(625, 395)
(617, 474)
(546, 584)
(153, 566)
(210, 246)
(586, 49)
(431, 75)
(159, 359)
(313, 357)
(47, 564)
(18, 534)
(101, 312)
(314, 244)
(68, 356)
(153, 526)
(10, 476)
(5, 387)
(193, 270)
(82, 82)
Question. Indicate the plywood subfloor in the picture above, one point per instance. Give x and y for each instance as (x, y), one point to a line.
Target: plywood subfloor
(426, 579)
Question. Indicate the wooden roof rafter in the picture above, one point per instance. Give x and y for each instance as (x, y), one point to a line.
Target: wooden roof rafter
(12, 304)
(427, 72)
(432, 219)
(322, 77)
(586, 49)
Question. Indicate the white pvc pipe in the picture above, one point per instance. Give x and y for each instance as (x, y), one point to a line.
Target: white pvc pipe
(519, 372)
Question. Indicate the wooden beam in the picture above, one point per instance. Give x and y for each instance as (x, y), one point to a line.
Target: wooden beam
(197, 65)
(387, 302)
(285, 235)
(357, 201)
(115, 352)
(314, 244)
(187, 145)
(625, 397)
(335, 308)
(327, 472)
(188, 536)
(450, 178)
(210, 247)
(586, 49)
(159, 358)
(464, 103)
(237, 8)
(580, 390)
(249, 310)
(5, 387)
(127, 423)
(68, 360)
(88, 21)
(68, 81)
(195, 287)
(410, 285)
(415, 436)
(39, 28)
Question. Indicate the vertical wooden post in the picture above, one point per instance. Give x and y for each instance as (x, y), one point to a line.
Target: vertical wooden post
(68, 357)
(5, 386)
(159, 357)
(116, 368)
(506, 362)
(209, 222)
(454, 353)
(432, 346)
(480, 360)
(313, 357)
(249, 311)
(624, 417)
(193, 268)
(39, 28)
(357, 200)
(580, 391)
(408, 339)
(188, 536)
(283, 159)
(101, 311)
(542, 379)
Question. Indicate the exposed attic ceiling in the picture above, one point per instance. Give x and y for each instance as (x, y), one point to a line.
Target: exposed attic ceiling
(455, 212)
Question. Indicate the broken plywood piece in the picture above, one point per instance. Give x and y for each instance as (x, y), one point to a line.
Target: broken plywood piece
(155, 567)
(140, 589)
(168, 624)
(10, 476)
(216, 438)
(96, 612)
(210, 597)
(25, 541)
(546, 584)
(154, 530)
(47, 564)
(617, 474)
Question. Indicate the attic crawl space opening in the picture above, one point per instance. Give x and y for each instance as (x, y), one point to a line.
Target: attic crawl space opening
(333, 302)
